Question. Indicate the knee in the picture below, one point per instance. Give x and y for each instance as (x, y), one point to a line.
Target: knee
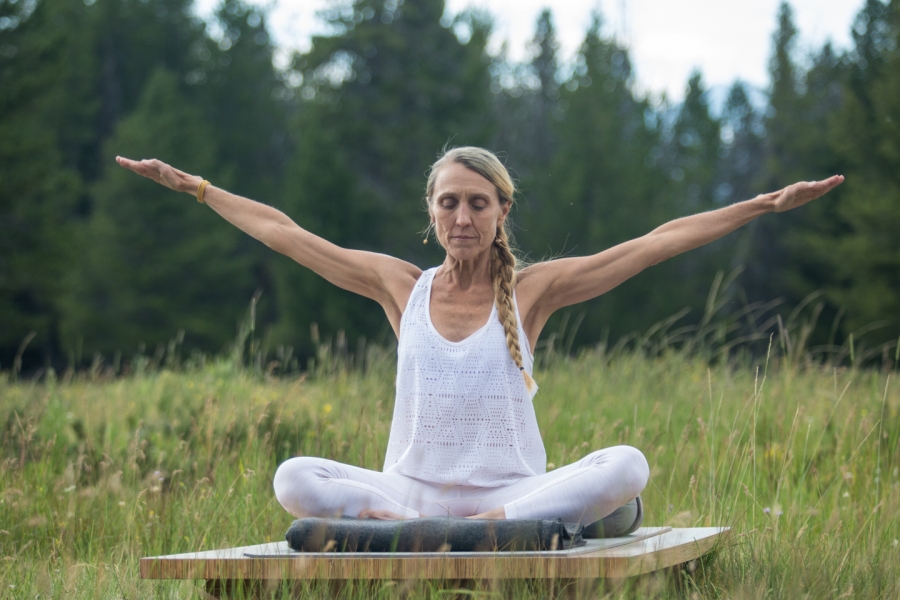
(297, 488)
(629, 465)
(637, 467)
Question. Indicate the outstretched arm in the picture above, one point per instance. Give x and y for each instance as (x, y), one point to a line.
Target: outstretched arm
(552, 285)
(385, 279)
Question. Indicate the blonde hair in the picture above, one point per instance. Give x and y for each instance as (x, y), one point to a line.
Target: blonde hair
(503, 260)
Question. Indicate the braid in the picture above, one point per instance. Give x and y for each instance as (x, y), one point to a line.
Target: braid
(503, 274)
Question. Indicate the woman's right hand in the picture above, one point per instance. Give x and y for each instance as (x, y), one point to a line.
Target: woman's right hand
(162, 174)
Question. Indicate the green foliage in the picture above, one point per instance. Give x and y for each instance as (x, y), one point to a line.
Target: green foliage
(317, 188)
(697, 138)
(743, 150)
(545, 66)
(39, 191)
(383, 96)
(156, 262)
(865, 248)
(578, 206)
(239, 91)
(135, 37)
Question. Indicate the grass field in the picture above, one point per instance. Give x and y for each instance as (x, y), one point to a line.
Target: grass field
(802, 461)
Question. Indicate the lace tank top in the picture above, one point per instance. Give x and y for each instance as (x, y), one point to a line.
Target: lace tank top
(462, 415)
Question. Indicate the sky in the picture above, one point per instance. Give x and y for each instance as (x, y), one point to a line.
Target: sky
(667, 39)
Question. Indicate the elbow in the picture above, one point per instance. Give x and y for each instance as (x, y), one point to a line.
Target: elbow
(658, 248)
(275, 237)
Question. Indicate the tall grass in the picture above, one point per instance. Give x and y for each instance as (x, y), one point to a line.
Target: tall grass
(799, 458)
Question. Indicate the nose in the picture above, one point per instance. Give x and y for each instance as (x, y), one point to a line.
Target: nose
(463, 215)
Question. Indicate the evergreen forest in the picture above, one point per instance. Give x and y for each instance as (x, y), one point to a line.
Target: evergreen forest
(98, 266)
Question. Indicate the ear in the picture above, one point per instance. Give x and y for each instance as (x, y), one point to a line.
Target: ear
(504, 211)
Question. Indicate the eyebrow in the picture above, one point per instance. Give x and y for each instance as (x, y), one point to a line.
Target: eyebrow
(454, 194)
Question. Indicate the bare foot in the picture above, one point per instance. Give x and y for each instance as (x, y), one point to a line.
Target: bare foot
(497, 513)
(381, 515)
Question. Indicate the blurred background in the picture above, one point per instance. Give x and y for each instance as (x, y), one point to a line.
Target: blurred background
(338, 124)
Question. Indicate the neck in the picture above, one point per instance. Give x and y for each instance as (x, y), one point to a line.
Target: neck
(467, 273)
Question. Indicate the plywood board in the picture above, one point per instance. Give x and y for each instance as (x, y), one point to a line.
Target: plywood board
(647, 550)
(282, 550)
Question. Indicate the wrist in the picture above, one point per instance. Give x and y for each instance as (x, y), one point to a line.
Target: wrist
(192, 185)
(765, 202)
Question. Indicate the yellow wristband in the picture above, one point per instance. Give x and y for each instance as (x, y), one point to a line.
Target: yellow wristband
(200, 190)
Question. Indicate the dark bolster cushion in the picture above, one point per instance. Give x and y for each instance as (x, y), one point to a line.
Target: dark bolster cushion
(431, 534)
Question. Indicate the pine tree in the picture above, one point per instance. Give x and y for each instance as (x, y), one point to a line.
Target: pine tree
(157, 261)
(133, 38)
(546, 68)
(742, 167)
(784, 124)
(695, 157)
(39, 191)
(530, 111)
(863, 248)
(318, 190)
(246, 101)
(744, 154)
(797, 149)
(241, 95)
(696, 139)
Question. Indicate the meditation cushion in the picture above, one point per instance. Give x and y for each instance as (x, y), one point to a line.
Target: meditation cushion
(431, 534)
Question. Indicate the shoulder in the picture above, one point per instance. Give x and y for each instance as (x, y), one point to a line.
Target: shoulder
(400, 270)
(398, 278)
(534, 276)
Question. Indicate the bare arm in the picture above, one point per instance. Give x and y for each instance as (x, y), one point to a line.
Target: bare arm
(385, 279)
(547, 287)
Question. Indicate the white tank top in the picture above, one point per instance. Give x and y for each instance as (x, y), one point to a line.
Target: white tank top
(463, 415)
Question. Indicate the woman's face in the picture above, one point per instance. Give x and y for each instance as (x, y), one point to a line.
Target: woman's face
(466, 211)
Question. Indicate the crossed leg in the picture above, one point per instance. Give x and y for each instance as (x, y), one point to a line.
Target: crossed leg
(584, 491)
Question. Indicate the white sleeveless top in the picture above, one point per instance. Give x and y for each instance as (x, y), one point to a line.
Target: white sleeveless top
(463, 415)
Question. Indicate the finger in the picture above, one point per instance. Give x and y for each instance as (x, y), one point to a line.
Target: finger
(139, 167)
(144, 168)
(826, 185)
(127, 162)
(834, 179)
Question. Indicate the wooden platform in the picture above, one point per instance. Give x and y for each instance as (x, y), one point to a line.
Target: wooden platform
(268, 565)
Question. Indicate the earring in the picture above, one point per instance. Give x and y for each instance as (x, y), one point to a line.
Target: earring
(427, 231)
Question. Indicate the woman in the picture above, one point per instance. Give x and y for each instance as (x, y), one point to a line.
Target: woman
(464, 439)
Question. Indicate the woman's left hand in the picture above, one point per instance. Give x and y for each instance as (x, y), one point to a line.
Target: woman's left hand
(799, 194)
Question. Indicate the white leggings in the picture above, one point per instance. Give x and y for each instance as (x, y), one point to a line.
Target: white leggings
(585, 491)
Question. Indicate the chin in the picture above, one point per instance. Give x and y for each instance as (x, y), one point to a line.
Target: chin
(464, 253)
